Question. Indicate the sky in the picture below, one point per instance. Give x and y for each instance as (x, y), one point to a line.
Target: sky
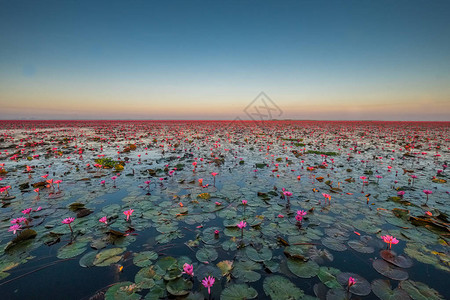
(322, 60)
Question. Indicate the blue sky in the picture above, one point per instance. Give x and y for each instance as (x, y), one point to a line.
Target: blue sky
(386, 60)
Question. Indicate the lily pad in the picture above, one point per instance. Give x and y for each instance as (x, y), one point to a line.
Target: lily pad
(360, 288)
(420, 291)
(122, 291)
(389, 270)
(179, 286)
(280, 288)
(397, 260)
(206, 254)
(108, 257)
(303, 269)
(71, 250)
(144, 259)
(238, 292)
(258, 255)
(382, 289)
(246, 270)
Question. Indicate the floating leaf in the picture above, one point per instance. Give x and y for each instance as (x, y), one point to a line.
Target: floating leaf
(397, 260)
(419, 291)
(179, 286)
(108, 257)
(382, 289)
(144, 259)
(258, 256)
(303, 269)
(360, 288)
(389, 270)
(87, 260)
(279, 288)
(225, 266)
(327, 276)
(206, 254)
(245, 270)
(122, 291)
(71, 250)
(238, 292)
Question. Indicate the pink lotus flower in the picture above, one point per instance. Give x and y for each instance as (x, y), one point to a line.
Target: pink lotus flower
(401, 193)
(188, 269)
(208, 283)
(299, 218)
(301, 212)
(244, 202)
(427, 192)
(214, 174)
(67, 220)
(280, 216)
(389, 240)
(218, 203)
(103, 220)
(351, 281)
(242, 224)
(128, 213)
(27, 211)
(14, 228)
(18, 220)
(287, 194)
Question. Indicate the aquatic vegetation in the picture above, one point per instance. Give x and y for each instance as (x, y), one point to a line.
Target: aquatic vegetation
(196, 220)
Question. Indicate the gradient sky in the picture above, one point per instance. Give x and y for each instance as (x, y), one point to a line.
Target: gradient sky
(384, 60)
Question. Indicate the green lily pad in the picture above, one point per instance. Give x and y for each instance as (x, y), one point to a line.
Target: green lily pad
(382, 289)
(328, 277)
(258, 256)
(238, 292)
(397, 260)
(303, 269)
(279, 288)
(245, 270)
(71, 250)
(419, 291)
(144, 259)
(360, 288)
(206, 254)
(108, 257)
(389, 270)
(122, 291)
(179, 286)
(87, 260)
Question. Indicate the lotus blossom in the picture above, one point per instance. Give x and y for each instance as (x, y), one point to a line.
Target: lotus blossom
(188, 269)
(103, 220)
(427, 192)
(401, 193)
(244, 202)
(242, 224)
(351, 282)
(389, 240)
(208, 283)
(27, 211)
(128, 213)
(68, 221)
(14, 228)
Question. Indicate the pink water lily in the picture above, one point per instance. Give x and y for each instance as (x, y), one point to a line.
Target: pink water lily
(208, 283)
(389, 240)
(68, 221)
(188, 269)
(128, 213)
(14, 228)
(103, 220)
